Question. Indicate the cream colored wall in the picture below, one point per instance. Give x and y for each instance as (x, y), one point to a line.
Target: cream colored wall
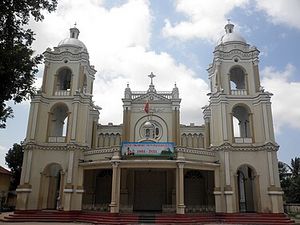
(138, 117)
(257, 161)
(216, 133)
(40, 160)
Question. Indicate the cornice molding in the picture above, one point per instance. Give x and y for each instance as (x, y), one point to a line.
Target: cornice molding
(196, 151)
(102, 151)
(249, 148)
(57, 147)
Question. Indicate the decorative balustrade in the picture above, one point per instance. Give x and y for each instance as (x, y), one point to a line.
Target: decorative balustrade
(62, 93)
(241, 140)
(239, 92)
(166, 94)
(60, 139)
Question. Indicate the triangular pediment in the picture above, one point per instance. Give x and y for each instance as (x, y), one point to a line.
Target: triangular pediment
(153, 97)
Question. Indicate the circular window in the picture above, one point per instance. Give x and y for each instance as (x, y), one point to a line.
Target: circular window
(151, 129)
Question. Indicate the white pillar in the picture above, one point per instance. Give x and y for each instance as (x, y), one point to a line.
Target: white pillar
(180, 188)
(115, 188)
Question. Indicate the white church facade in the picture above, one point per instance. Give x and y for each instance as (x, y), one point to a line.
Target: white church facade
(151, 162)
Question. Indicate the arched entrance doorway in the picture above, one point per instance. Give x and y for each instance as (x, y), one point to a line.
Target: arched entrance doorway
(51, 187)
(246, 189)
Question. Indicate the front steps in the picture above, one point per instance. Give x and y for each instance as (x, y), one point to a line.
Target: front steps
(135, 218)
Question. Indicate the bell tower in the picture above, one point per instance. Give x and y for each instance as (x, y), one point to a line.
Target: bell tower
(240, 128)
(62, 124)
(241, 108)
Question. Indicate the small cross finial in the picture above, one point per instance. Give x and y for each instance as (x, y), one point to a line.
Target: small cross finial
(151, 75)
(75, 24)
(228, 20)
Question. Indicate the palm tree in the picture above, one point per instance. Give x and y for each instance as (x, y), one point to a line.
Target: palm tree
(295, 167)
(290, 180)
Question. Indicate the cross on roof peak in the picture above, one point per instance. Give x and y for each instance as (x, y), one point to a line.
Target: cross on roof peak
(151, 75)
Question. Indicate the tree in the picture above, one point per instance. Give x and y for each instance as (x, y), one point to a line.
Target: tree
(295, 166)
(14, 160)
(290, 180)
(18, 66)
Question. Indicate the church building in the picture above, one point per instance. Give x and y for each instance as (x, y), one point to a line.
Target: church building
(151, 162)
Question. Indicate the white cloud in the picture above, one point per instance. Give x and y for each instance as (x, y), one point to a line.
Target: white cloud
(118, 43)
(204, 18)
(281, 11)
(135, 63)
(286, 110)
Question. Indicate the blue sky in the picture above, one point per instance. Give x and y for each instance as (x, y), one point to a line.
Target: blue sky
(127, 40)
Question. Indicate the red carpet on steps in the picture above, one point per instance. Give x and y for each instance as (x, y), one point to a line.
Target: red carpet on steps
(136, 218)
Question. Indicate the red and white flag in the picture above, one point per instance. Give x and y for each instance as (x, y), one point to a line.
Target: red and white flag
(146, 107)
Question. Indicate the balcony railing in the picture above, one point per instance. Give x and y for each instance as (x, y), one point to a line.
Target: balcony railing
(62, 93)
(239, 92)
(242, 140)
(60, 139)
(137, 94)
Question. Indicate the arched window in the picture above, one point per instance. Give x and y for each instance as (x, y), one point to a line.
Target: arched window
(241, 124)
(189, 140)
(58, 123)
(237, 81)
(183, 140)
(151, 130)
(118, 139)
(201, 140)
(63, 82)
(101, 140)
(195, 141)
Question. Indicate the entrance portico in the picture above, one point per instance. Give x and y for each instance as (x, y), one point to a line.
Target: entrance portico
(149, 185)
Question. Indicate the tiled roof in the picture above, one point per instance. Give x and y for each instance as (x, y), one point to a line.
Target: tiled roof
(4, 171)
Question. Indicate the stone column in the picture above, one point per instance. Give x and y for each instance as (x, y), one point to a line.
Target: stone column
(115, 188)
(180, 188)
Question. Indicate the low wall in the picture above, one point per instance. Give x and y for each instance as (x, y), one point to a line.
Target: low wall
(291, 208)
